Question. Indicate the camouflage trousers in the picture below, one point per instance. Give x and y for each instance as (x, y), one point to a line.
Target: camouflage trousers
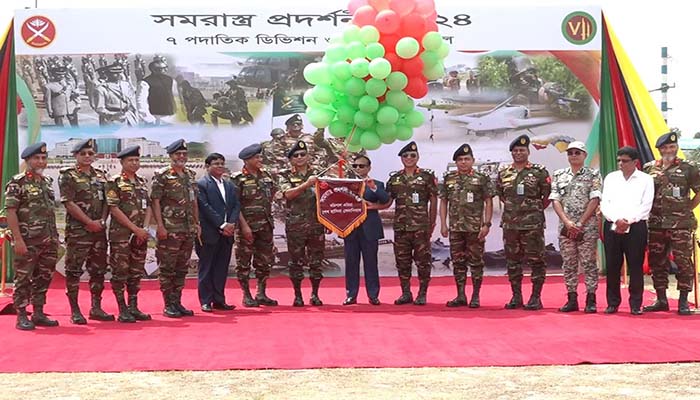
(524, 247)
(259, 252)
(33, 272)
(173, 256)
(582, 253)
(467, 251)
(661, 243)
(127, 260)
(90, 251)
(412, 246)
(306, 245)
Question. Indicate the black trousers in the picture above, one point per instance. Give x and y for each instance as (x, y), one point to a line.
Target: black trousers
(632, 246)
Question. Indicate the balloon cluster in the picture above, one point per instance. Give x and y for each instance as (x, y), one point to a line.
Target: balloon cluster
(366, 82)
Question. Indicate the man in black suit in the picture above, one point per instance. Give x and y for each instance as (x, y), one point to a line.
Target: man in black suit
(364, 240)
(218, 209)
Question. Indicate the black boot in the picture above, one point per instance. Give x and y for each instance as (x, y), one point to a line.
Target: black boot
(422, 292)
(76, 316)
(178, 304)
(134, 308)
(40, 319)
(170, 310)
(475, 302)
(517, 300)
(23, 323)
(124, 314)
(248, 300)
(571, 303)
(590, 303)
(683, 307)
(298, 299)
(535, 302)
(661, 303)
(314, 300)
(406, 295)
(461, 299)
(96, 311)
(261, 296)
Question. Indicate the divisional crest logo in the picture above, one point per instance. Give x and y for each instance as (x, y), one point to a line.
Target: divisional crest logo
(38, 31)
(579, 27)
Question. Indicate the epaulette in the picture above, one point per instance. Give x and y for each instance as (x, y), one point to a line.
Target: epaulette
(649, 164)
(503, 167)
(18, 176)
(392, 173)
(448, 173)
(66, 169)
(236, 174)
(114, 178)
(538, 166)
(428, 171)
(161, 171)
(48, 178)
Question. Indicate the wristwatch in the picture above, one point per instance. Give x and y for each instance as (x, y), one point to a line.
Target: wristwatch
(486, 224)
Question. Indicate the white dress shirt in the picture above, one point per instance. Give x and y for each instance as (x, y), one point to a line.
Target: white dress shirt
(629, 199)
(222, 189)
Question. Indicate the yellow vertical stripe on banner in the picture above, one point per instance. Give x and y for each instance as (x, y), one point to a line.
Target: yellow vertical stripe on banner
(6, 32)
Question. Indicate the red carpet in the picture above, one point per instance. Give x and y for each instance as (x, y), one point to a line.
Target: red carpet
(354, 336)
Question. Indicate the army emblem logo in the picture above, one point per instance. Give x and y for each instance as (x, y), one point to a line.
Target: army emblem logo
(673, 138)
(38, 31)
(413, 147)
(302, 145)
(523, 141)
(579, 27)
(43, 149)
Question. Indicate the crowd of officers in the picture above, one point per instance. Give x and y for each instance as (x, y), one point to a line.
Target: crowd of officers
(465, 198)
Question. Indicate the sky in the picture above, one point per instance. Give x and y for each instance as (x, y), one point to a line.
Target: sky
(643, 27)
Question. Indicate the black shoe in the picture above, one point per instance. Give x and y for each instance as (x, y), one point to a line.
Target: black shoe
(184, 311)
(222, 306)
(298, 301)
(171, 311)
(658, 305)
(350, 300)
(590, 303)
(207, 308)
(23, 323)
(374, 301)
(611, 310)
(459, 301)
(98, 314)
(315, 301)
(636, 311)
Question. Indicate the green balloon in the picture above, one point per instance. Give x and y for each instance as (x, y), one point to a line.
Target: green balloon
(356, 50)
(309, 99)
(379, 68)
(320, 117)
(374, 50)
(443, 50)
(407, 106)
(388, 139)
(355, 86)
(337, 39)
(386, 130)
(432, 41)
(369, 34)
(324, 94)
(354, 102)
(407, 47)
(336, 52)
(339, 128)
(375, 87)
(396, 98)
(359, 67)
(414, 119)
(341, 70)
(397, 80)
(368, 104)
(429, 57)
(387, 115)
(354, 148)
(404, 132)
(317, 74)
(363, 120)
(370, 140)
(346, 114)
(356, 137)
(434, 72)
(351, 34)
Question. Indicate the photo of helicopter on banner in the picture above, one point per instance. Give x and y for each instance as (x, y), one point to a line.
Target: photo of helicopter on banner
(224, 79)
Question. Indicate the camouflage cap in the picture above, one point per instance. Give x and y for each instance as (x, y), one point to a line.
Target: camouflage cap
(132, 151)
(85, 144)
(463, 150)
(409, 147)
(298, 146)
(176, 146)
(667, 138)
(250, 151)
(36, 148)
(277, 132)
(520, 141)
(577, 145)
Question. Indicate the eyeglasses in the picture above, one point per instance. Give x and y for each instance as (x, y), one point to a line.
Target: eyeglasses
(621, 161)
(360, 165)
(86, 153)
(574, 153)
(409, 155)
(299, 155)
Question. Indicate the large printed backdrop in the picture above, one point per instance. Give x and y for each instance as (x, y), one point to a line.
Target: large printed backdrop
(237, 75)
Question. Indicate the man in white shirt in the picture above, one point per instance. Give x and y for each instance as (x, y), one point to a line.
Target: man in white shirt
(628, 195)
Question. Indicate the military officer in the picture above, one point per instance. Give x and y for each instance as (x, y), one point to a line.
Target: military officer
(115, 99)
(415, 192)
(671, 222)
(129, 204)
(82, 188)
(575, 196)
(61, 97)
(277, 159)
(524, 189)
(467, 196)
(256, 190)
(30, 204)
(305, 235)
(174, 202)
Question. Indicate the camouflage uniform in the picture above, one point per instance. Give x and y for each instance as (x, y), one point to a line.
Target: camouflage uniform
(127, 257)
(177, 194)
(305, 235)
(466, 194)
(412, 228)
(574, 191)
(275, 157)
(671, 221)
(87, 191)
(35, 203)
(523, 194)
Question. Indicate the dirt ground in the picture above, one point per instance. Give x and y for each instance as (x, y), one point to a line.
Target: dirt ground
(621, 381)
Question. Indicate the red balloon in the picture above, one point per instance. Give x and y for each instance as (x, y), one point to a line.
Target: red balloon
(395, 61)
(355, 4)
(417, 87)
(389, 42)
(364, 15)
(381, 98)
(387, 21)
(413, 67)
(413, 25)
(431, 26)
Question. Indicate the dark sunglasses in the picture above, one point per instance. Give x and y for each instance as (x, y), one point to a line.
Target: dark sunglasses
(574, 153)
(624, 161)
(87, 153)
(359, 165)
(409, 155)
(299, 155)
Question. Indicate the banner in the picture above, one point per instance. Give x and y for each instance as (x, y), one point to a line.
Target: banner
(339, 204)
